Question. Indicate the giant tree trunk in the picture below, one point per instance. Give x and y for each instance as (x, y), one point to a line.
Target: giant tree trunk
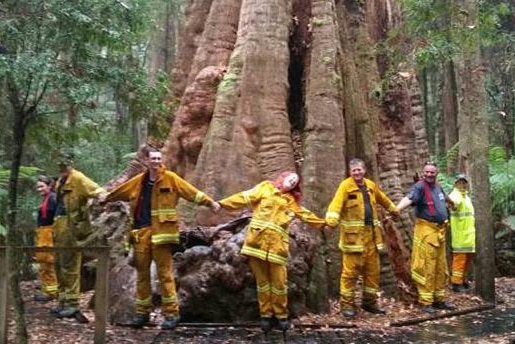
(301, 89)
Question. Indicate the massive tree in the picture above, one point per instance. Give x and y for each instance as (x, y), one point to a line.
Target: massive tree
(274, 85)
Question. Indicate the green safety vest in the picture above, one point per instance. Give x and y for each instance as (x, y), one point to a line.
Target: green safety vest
(463, 228)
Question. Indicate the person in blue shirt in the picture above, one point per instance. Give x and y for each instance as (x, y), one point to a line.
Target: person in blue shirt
(428, 259)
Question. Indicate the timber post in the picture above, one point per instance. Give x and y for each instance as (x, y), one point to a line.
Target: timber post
(101, 286)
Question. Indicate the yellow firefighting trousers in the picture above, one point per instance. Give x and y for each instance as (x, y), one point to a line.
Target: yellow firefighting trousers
(144, 253)
(364, 263)
(68, 263)
(46, 261)
(460, 265)
(428, 261)
(272, 288)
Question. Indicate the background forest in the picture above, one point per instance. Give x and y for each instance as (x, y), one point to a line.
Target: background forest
(102, 77)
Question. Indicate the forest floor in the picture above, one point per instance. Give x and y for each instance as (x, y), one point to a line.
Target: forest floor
(494, 326)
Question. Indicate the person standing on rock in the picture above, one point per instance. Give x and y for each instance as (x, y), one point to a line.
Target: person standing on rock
(44, 232)
(463, 234)
(354, 208)
(153, 197)
(428, 258)
(73, 190)
(274, 204)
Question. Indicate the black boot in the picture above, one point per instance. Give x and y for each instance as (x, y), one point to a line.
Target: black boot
(265, 324)
(373, 308)
(458, 288)
(283, 324)
(55, 310)
(444, 305)
(68, 312)
(40, 297)
(170, 322)
(428, 309)
(140, 320)
(349, 312)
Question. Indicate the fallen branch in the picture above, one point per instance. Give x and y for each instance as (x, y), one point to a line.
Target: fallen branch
(415, 321)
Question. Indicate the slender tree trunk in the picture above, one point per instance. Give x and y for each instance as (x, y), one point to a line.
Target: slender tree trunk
(475, 115)
(450, 113)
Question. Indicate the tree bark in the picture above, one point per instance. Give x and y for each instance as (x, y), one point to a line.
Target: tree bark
(324, 162)
(13, 236)
(475, 116)
(450, 114)
(196, 14)
(304, 69)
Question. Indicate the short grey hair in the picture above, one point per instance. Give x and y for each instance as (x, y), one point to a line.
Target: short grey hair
(355, 162)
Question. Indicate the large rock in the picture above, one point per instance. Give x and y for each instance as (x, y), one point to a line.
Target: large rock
(215, 282)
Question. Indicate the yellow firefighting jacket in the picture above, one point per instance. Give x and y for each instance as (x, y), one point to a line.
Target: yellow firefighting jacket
(75, 192)
(166, 191)
(463, 227)
(272, 211)
(347, 208)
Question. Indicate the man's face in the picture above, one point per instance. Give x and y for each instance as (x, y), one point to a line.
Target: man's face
(64, 170)
(357, 172)
(290, 182)
(430, 173)
(154, 160)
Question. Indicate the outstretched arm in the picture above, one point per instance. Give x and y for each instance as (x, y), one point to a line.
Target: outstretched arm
(307, 216)
(403, 204)
(243, 199)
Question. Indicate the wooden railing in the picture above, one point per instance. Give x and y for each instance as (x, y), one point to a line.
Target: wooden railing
(101, 285)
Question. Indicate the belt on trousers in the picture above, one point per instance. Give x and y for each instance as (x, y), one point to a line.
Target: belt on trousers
(435, 224)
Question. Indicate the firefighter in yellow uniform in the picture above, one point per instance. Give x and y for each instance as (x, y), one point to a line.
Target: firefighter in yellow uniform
(354, 208)
(428, 258)
(73, 190)
(153, 196)
(463, 234)
(274, 205)
(44, 238)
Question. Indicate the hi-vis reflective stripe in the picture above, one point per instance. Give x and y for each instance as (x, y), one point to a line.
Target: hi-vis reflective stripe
(332, 215)
(263, 224)
(427, 297)
(199, 196)
(418, 277)
(369, 290)
(166, 211)
(380, 247)
(279, 292)
(353, 223)
(351, 248)
(275, 258)
(265, 288)
(264, 255)
(457, 273)
(254, 252)
(50, 288)
(145, 302)
(439, 292)
(464, 249)
(165, 238)
(346, 292)
(462, 214)
(170, 299)
(358, 223)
